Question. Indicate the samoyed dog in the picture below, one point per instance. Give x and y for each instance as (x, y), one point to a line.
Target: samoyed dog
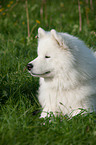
(67, 71)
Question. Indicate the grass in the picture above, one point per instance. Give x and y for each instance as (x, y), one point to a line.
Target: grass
(19, 121)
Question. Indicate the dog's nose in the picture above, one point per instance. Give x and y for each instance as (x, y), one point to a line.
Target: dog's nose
(29, 66)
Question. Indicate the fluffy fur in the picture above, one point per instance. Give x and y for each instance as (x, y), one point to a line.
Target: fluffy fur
(67, 71)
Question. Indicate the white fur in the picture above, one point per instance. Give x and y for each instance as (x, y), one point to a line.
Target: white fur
(67, 76)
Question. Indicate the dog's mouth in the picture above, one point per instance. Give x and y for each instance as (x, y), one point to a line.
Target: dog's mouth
(40, 74)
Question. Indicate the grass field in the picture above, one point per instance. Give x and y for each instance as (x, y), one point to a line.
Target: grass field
(19, 121)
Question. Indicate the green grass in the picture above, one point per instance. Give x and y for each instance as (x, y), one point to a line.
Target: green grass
(19, 122)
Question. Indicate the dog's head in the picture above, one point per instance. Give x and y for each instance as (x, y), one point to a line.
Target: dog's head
(53, 55)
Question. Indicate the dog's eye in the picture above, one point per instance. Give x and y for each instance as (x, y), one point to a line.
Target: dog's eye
(47, 56)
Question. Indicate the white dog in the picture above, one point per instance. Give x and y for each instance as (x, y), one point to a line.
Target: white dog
(67, 71)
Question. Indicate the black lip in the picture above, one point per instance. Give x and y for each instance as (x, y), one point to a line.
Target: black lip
(42, 74)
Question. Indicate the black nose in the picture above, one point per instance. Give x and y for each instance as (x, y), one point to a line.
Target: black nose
(29, 66)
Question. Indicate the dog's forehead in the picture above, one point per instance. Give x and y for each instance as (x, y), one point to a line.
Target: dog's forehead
(45, 44)
(45, 40)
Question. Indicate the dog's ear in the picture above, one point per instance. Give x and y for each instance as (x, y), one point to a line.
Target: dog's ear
(41, 32)
(58, 38)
